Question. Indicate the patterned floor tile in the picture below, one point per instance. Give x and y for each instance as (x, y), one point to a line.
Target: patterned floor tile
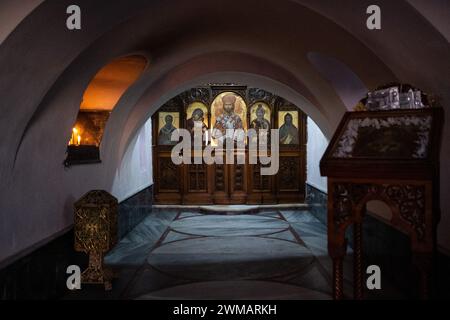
(196, 249)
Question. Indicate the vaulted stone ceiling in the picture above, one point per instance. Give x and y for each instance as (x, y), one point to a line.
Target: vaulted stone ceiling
(45, 69)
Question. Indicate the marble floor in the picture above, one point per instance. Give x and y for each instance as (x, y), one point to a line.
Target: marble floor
(184, 254)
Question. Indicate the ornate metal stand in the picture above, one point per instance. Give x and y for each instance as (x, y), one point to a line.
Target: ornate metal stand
(96, 233)
(96, 272)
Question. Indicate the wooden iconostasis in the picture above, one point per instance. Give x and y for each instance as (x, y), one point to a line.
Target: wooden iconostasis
(229, 183)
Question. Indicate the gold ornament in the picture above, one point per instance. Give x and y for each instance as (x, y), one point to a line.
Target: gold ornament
(360, 107)
(96, 233)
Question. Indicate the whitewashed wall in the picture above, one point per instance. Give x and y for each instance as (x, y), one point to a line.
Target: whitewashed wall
(317, 143)
(135, 172)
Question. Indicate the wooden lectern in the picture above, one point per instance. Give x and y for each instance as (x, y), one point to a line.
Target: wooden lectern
(391, 156)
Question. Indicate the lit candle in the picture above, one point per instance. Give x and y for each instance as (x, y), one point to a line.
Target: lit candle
(74, 132)
(79, 139)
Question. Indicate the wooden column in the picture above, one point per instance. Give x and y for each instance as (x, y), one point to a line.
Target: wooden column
(424, 264)
(357, 261)
(338, 279)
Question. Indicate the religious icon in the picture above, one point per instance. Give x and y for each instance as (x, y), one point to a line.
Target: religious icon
(88, 129)
(260, 117)
(389, 142)
(168, 123)
(197, 117)
(228, 112)
(398, 136)
(289, 128)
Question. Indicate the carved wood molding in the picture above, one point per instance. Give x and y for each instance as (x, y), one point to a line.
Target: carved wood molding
(406, 199)
(257, 94)
(196, 95)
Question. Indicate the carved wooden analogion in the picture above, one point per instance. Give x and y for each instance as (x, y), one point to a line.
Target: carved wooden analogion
(391, 156)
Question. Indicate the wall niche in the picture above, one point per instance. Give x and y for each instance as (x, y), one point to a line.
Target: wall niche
(99, 99)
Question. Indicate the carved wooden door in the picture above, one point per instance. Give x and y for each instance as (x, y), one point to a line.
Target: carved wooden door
(230, 181)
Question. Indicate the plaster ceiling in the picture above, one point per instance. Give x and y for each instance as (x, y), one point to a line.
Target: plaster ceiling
(110, 83)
